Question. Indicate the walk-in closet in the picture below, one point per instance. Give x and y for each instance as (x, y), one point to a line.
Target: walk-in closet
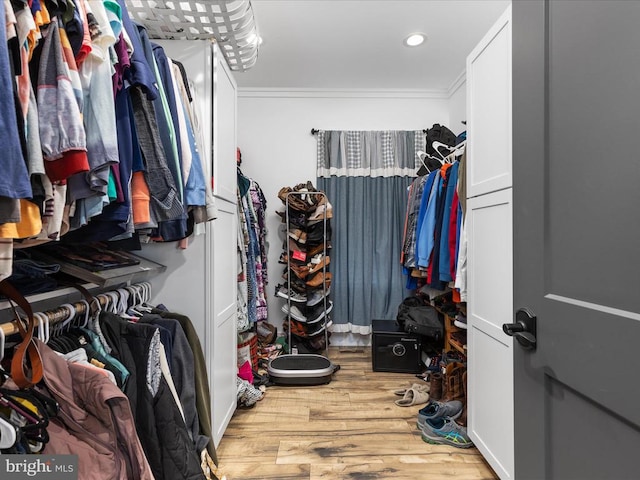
(319, 240)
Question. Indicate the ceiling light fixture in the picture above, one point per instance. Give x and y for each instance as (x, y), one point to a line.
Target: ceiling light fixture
(414, 39)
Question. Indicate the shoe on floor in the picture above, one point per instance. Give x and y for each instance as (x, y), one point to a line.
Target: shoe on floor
(418, 386)
(451, 410)
(413, 396)
(444, 431)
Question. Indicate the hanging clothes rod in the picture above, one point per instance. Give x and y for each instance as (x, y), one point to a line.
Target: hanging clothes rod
(65, 311)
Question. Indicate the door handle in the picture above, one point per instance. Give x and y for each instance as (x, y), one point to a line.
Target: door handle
(523, 330)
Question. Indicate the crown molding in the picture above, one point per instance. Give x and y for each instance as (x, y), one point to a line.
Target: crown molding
(457, 83)
(250, 92)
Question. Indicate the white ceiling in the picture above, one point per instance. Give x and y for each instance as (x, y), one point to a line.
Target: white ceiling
(357, 44)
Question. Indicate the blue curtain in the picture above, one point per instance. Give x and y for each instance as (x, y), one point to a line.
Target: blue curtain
(366, 176)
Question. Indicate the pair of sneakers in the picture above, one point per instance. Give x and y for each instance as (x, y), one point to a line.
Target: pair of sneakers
(436, 422)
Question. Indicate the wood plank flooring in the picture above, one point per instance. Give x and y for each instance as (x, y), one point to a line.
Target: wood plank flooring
(348, 429)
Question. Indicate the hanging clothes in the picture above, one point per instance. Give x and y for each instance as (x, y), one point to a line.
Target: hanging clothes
(102, 117)
(432, 239)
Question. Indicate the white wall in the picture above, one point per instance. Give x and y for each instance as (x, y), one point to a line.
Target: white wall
(278, 149)
(458, 107)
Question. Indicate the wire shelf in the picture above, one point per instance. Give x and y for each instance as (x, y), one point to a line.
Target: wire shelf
(231, 23)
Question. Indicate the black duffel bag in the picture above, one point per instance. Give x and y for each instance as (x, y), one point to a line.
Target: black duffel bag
(416, 315)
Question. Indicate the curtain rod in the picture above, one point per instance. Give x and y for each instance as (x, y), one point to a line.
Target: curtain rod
(315, 130)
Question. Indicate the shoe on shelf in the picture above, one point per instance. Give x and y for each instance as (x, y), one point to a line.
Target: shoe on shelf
(450, 410)
(294, 312)
(297, 328)
(316, 296)
(321, 212)
(316, 233)
(318, 328)
(285, 259)
(319, 278)
(318, 312)
(298, 235)
(316, 249)
(460, 321)
(283, 292)
(445, 431)
(300, 271)
(295, 247)
(313, 268)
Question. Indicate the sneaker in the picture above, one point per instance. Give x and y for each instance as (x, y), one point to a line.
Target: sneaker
(444, 431)
(316, 297)
(317, 314)
(460, 321)
(281, 291)
(294, 312)
(317, 329)
(450, 410)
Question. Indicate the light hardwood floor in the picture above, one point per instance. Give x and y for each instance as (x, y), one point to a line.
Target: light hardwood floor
(348, 429)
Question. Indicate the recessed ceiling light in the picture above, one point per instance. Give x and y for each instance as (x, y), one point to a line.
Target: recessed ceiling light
(415, 39)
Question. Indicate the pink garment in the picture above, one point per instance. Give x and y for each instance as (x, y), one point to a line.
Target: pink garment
(245, 373)
(95, 422)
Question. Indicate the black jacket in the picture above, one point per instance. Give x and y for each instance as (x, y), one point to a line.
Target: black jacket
(161, 429)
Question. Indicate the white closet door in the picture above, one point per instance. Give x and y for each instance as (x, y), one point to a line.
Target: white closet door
(490, 247)
(223, 357)
(224, 133)
(489, 305)
(489, 110)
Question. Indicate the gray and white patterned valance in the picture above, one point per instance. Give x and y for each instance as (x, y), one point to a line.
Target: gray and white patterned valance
(357, 153)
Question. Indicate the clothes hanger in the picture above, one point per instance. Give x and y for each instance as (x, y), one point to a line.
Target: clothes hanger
(64, 325)
(87, 314)
(8, 433)
(436, 145)
(123, 303)
(435, 161)
(44, 332)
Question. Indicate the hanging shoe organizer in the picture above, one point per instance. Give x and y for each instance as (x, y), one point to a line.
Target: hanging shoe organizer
(231, 23)
(305, 368)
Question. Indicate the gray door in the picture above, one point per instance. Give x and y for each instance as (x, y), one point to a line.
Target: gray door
(576, 187)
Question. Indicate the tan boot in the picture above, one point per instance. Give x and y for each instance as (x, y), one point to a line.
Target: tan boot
(453, 381)
(462, 420)
(435, 386)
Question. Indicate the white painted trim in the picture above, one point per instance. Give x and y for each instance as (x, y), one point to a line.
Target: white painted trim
(457, 83)
(250, 92)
